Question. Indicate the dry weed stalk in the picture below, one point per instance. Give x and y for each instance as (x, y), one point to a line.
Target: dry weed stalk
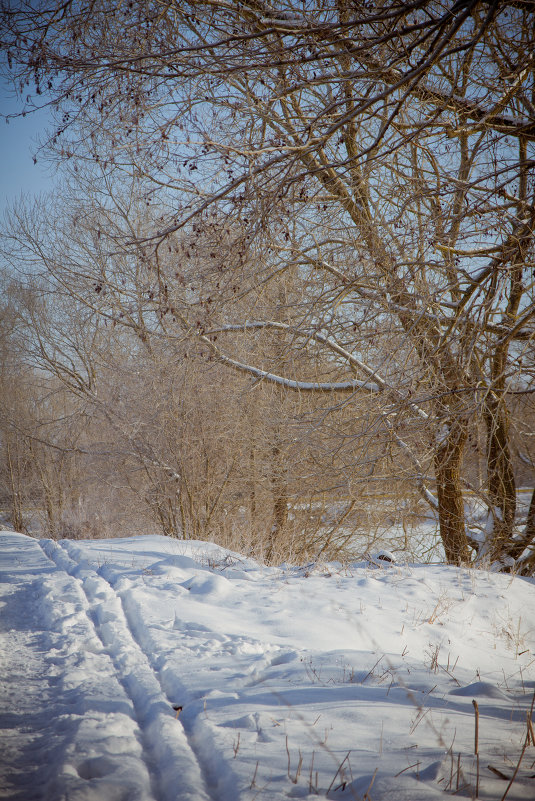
(476, 744)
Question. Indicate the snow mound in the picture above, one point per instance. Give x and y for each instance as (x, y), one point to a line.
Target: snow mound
(481, 689)
(211, 587)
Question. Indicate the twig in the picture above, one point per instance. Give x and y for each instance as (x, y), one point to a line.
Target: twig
(476, 733)
(513, 777)
(458, 683)
(529, 719)
(340, 766)
(371, 670)
(498, 773)
(299, 766)
(420, 716)
(236, 746)
(288, 752)
(404, 769)
(530, 728)
(366, 797)
(253, 781)
(476, 745)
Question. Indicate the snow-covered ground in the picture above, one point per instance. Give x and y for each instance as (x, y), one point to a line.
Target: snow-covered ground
(148, 668)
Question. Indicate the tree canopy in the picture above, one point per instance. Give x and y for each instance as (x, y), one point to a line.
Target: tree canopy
(354, 177)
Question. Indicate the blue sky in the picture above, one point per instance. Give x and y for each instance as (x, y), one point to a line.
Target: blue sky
(18, 173)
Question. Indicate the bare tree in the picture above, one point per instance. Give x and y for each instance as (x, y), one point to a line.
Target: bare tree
(383, 152)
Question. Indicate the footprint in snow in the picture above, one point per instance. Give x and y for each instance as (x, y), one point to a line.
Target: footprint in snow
(284, 658)
(96, 768)
(197, 630)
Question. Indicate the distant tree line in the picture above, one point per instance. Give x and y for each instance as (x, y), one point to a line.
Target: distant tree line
(303, 235)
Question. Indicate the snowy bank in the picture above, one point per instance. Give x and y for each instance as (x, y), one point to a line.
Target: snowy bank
(149, 668)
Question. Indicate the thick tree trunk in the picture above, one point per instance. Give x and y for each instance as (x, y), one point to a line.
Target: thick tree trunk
(17, 519)
(519, 546)
(252, 490)
(529, 530)
(500, 473)
(529, 538)
(448, 461)
(279, 486)
(500, 479)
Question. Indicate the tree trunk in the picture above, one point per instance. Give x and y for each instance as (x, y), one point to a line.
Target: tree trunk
(17, 518)
(448, 460)
(280, 499)
(252, 489)
(500, 478)
(529, 538)
(517, 548)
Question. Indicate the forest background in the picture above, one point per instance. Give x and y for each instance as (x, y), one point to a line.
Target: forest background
(283, 299)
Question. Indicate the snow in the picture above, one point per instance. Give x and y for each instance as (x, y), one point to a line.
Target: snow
(305, 386)
(150, 669)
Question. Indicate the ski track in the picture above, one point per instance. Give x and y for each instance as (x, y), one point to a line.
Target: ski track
(176, 763)
(97, 655)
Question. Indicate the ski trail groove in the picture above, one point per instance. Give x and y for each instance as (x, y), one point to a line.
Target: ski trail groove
(177, 771)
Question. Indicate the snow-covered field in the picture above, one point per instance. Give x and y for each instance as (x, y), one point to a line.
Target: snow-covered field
(148, 668)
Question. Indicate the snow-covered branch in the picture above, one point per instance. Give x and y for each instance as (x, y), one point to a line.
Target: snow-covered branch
(317, 336)
(299, 386)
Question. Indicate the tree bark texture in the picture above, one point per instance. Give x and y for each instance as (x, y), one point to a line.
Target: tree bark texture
(448, 462)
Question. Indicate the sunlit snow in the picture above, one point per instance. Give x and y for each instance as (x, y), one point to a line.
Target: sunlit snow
(155, 669)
